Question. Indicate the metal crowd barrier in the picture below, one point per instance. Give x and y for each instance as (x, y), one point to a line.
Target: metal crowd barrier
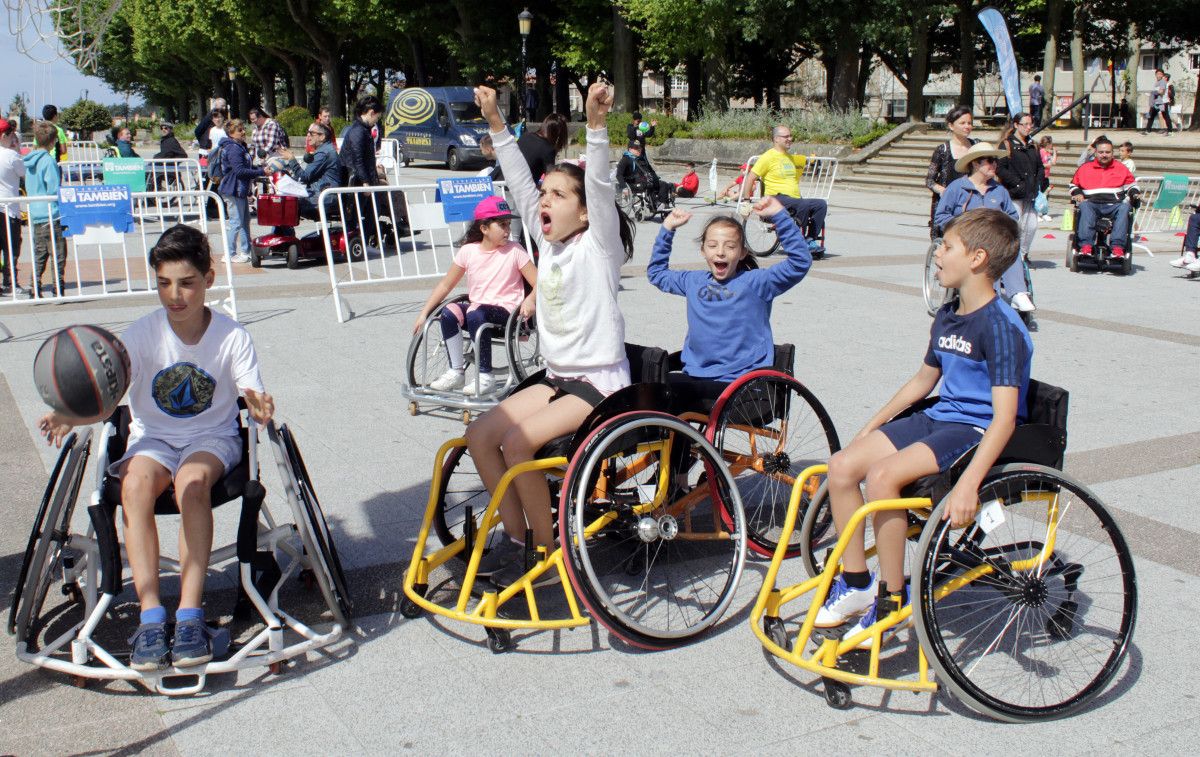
(382, 246)
(84, 151)
(816, 182)
(389, 158)
(103, 263)
(1150, 219)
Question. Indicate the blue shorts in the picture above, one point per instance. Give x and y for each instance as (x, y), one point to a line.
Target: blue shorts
(948, 440)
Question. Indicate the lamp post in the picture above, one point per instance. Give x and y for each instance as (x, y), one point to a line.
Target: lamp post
(524, 25)
(232, 84)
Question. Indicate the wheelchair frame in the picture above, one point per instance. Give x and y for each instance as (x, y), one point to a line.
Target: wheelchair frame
(419, 349)
(753, 225)
(93, 573)
(1102, 251)
(640, 203)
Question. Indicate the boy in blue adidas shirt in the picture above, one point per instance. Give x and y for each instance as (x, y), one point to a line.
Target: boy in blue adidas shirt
(728, 303)
(980, 351)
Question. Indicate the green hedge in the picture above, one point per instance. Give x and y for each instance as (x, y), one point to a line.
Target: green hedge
(295, 121)
(819, 125)
(668, 126)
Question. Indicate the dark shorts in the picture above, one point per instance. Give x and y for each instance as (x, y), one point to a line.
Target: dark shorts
(573, 387)
(947, 440)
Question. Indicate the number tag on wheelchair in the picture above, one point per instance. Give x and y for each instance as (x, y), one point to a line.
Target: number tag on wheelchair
(990, 516)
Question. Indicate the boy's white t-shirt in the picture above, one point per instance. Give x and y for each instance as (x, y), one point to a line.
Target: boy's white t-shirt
(12, 170)
(181, 393)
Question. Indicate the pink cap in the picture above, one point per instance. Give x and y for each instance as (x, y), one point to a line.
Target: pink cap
(491, 208)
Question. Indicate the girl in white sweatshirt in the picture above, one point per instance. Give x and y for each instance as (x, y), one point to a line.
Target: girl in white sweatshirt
(583, 238)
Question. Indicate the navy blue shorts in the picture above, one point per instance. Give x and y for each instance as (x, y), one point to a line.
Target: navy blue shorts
(947, 440)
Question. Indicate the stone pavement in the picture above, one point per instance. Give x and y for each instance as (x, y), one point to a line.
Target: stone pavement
(1126, 348)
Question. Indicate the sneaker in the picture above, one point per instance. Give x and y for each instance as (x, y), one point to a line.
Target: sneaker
(890, 602)
(448, 381)
(195, 643)
(1183, 260)
(502, 554)
(1118, 252)
(844, 602)
(1085, 250)
(487, 384)
(508, 576)
(1193, 266)
(1022, 303)
(150, 651)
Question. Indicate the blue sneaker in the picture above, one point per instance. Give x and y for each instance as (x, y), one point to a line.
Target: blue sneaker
(815, 248)
(195, 643)
(150, 651)
(884, 605)
(844, 602)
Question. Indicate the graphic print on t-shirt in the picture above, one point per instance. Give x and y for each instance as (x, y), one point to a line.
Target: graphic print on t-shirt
(183, 390)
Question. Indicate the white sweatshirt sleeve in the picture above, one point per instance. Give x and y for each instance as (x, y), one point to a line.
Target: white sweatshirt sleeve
(520, 184)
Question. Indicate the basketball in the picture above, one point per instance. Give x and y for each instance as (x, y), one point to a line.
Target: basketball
(82, 371)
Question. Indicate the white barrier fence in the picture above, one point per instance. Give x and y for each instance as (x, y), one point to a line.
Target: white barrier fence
(381, 245)
(1156, 215)
(84, 151)
(816, 182)
(102, 263)
(162, 174)
(389, 157)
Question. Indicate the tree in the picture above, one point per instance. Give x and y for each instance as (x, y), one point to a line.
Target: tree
(85, 117)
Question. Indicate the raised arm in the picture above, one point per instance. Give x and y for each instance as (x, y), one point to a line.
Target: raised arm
(659, 271)
(516, 171)
(774, 281)
(603, 220)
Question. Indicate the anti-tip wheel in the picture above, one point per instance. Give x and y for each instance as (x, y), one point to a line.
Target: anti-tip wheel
(837, 695)
(466, 417)
(499, 640)
(777, 632)
(412, 408)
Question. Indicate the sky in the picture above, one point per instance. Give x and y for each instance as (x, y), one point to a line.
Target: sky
(57, 82)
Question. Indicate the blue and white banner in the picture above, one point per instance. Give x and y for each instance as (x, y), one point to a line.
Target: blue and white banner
(1010, 75)
(98, 205)
(460, 196)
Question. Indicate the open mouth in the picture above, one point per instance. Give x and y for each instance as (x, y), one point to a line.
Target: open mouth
(545, 223)
(720, 268)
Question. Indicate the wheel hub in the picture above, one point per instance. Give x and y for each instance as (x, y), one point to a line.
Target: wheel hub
(777, 463)
(668, 527)
(665, 528)
(1034, 593)
(647, 529)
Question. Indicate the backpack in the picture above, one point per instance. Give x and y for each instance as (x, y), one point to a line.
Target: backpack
(216, 165)
(1170, 94)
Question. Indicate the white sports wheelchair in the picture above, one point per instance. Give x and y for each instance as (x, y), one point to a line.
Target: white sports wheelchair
(427, 359)
(70, 638)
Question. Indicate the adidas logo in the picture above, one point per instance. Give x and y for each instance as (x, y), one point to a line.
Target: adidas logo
(955, 344)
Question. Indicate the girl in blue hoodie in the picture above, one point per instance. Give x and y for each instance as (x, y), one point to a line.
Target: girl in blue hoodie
(728, 303)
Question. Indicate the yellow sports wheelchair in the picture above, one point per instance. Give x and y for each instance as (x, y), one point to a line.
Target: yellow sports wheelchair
(1026, 614)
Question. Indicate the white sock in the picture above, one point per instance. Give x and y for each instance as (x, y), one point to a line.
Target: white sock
(454, 348)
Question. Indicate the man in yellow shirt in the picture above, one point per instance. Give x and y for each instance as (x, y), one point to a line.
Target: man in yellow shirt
(780, 174)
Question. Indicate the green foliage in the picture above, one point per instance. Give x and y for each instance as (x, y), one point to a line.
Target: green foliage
(85, 116)
(815, 125)
(865, 139)
(294, 120)
(668, 126)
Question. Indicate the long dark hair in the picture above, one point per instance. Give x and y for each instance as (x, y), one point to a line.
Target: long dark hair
(575, 173)
(554, 131)
(748, 262)
(474, 232)
(1010, 128)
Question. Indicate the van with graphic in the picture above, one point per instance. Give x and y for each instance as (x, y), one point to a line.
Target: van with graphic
(442, 124)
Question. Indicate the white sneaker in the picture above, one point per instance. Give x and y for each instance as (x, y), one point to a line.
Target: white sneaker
(871, 617)
(1193, 266)
(1022, 303)
(486, 385)
(449, 380)
(1183, 260)
(844, 602)
(241, 257)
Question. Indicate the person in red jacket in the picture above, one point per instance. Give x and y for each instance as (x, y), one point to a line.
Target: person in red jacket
(689, 185)
(1100, 188)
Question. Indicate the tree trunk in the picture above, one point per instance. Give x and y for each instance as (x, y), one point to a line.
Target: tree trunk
(1195, 125)
(1133, 58)
(966, 53)
(266, 79)
(298, 76)
(716, 75)
(846, 60)
(774, 100)
(316, 98)
(1054, 11)
(335, 80)
(918, 66)
(545, 101)
(1077, 69)
(418, 55)
(625, 65)
(468, 68)
(562, 91)
(864, 73)
(695, 83)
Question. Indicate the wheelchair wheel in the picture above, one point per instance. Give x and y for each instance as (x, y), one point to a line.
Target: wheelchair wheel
(935, 294)
(768, 428)
(646, 548)
(461, 489)
(521, 341)
(44, 553)
(1027, 613)
(760, 236)
(427, 357)
(311, 525)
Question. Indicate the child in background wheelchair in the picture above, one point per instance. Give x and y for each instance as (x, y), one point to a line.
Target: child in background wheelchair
(641, 190)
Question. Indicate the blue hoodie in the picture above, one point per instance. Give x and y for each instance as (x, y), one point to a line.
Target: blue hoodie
(41, 178)
(729, 322)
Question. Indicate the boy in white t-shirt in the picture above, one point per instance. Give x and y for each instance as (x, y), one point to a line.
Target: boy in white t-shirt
(188, 366)
(497, 269)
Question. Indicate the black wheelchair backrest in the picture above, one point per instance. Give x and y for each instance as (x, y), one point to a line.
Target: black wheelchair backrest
(785, 359)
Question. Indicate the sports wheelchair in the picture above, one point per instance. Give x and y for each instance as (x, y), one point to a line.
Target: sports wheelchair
(649, 508)
(937, 295)
(641, 200)
(1025, 615)
(71, 638)
(759, 233)
(427, 359)
(1102, 257)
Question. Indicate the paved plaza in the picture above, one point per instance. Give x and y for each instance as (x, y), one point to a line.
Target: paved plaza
(1127, 349)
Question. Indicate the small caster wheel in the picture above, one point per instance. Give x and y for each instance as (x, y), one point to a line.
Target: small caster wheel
(309, 579)
(79, 682)
(276, 667)
(837, 695)
(410, 609)
(466, 417)
(412, 408)
(73, 591)
(777, 633)
(499, 640)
